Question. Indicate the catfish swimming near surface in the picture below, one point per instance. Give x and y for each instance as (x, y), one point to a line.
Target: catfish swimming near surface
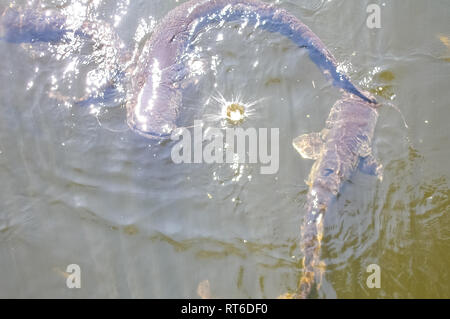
(154, 94)
(338, 150)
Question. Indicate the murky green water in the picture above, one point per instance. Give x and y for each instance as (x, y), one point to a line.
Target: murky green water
(77, 187)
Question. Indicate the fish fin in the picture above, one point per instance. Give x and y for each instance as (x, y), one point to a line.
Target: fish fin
(309, 145)
(370, 165)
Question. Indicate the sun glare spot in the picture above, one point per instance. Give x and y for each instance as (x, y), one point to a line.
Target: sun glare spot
(232, 111)
(235, 113)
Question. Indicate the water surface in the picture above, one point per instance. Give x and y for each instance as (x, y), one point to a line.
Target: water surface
(78, 187)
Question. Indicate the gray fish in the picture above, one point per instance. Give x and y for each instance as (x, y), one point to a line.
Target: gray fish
(155, 96)
(338, 150)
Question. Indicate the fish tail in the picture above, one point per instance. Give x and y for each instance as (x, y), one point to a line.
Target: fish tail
(312, 232)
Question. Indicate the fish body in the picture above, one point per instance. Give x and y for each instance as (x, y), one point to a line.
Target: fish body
(343, 146)
(155, 98)
(154, 94)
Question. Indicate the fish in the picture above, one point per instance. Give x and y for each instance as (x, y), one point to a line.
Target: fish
(155, 101)
(154, 93)
(340, 149)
